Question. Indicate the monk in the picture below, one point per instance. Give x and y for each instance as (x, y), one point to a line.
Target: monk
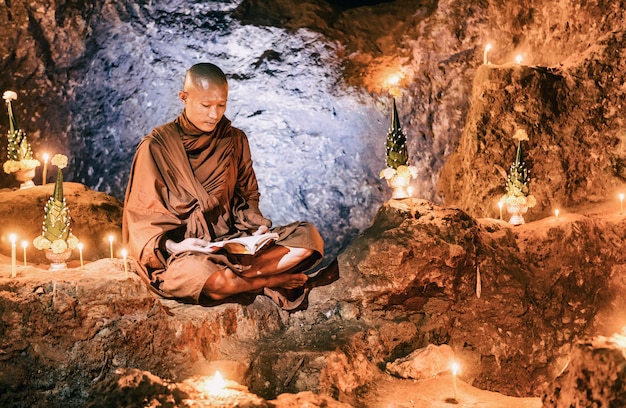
(192, 183)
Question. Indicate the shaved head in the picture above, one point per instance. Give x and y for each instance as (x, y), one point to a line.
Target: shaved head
(204, 94)
(201, 75)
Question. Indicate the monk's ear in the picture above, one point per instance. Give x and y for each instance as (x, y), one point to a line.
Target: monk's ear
(182, 95)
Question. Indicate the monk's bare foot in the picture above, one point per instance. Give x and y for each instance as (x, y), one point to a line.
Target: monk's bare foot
(287, 280)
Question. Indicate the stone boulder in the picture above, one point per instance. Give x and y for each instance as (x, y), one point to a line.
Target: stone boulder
(573, 116)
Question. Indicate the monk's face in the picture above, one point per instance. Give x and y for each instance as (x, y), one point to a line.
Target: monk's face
(205, 103)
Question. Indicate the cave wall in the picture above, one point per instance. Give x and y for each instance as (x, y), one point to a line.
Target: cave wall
(308, 84)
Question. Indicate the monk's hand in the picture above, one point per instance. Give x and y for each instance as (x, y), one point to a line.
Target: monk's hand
(188, 245)
(262, 230)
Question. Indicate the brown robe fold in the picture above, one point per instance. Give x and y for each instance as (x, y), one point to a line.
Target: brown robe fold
(186, 183)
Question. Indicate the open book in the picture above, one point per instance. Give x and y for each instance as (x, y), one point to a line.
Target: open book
(249, 245)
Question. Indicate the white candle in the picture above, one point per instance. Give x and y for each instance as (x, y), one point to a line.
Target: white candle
(111, 245)
(455, 369)
(13, 239)
(500, 205)
(80, 252)
(556, 213)
(621, 202)
(518, 59)
(487, 49)
(124, 255)
(24, 246)
(44, 177)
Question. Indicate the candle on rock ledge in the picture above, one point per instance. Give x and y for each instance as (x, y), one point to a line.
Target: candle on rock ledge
(44, 176)
(124, 255)
(487, 49)
(13, 239)
(80, 252)
(455, 370)
(24, 246)
(111, 245)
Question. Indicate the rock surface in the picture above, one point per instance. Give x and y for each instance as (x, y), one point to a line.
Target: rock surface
(404, 284)
(573, 117)
(595, 376)
(94, 217)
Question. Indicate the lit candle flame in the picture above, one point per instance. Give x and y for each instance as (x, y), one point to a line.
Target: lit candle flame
(111, 245)
(455, 368)
(80, 251)
(214, 385)
(13, 238)
(556, 213)
(24, 246)
(620, 339)
(392, 82)
(518, 59)
(124, 255)
(487, 49)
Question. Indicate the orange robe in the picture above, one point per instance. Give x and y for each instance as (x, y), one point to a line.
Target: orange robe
(185, 183)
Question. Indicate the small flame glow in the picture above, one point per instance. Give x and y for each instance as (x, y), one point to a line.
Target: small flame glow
(455, 368)
(488, 47)
(501, 203)
(518, 59)
(13, 238)
(620, 339)
(111, 238)
(213, 385)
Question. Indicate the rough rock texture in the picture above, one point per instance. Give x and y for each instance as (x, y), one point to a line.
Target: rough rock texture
(63, 332)
(309, 82)
(134, 388)
(423, 363)
(95, 216)
(595, 377)
(573, 116)
(544, 285)
(404, 284)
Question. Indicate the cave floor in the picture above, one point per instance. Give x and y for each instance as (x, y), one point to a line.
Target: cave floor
(438, 392)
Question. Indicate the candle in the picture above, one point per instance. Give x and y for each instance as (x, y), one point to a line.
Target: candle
(13, 239)
(44, 177)
(621, 203)
(80, 252)
(24, 245)
(500, 205)
(518, 59)
(124, 255)
(455, 369)
(556, 213)
(111, 245)
(487, 48)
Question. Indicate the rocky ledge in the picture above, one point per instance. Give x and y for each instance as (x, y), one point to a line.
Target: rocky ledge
(511, 302)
